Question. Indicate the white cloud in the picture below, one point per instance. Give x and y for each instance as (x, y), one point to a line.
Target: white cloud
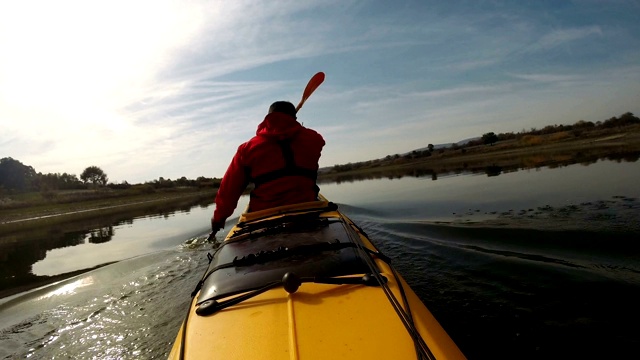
(158, 88)
(560, 37)
(548, 78)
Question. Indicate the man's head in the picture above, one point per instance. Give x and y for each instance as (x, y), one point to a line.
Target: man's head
(283, 107)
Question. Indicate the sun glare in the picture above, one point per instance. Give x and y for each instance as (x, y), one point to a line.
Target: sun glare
(71, 69)
(64, 55)
(70, 288)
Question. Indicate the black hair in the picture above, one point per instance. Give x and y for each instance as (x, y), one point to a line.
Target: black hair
(283, 107)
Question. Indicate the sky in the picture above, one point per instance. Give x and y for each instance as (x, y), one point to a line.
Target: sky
(150, 89)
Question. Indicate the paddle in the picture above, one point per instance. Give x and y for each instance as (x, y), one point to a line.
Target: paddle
(313, 84)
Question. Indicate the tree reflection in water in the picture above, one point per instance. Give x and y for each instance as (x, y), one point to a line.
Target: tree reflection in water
(20, 250)
(494, 168)
(101, 235)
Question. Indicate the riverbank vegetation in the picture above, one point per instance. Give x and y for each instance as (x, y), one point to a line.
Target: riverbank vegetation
(29, 209)
(27, 194)
(617, 138)
(89, 204)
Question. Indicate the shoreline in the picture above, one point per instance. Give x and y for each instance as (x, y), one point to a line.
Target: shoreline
(508, 155)
(21, 219)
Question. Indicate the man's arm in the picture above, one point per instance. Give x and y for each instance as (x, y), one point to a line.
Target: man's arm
(233, 184)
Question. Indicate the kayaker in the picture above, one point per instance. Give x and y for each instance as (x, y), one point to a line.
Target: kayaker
(281, 161)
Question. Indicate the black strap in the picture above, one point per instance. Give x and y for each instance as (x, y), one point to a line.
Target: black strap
(290, 168)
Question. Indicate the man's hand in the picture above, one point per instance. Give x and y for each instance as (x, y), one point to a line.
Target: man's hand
(215, 227)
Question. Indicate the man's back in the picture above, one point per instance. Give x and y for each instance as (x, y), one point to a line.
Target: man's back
(281, 160)
(283, 168)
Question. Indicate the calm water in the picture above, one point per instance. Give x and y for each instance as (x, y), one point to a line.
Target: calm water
(529, 264)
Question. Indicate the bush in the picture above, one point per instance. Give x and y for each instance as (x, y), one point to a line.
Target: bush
(142, 189)
(47, 193)
(531, 140)
(560, 136)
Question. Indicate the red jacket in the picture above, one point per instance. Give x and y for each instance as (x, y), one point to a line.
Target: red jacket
(263, 154)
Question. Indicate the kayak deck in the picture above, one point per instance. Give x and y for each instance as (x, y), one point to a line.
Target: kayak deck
(342, 300)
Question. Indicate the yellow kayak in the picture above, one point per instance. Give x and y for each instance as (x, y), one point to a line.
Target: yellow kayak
(304, 282)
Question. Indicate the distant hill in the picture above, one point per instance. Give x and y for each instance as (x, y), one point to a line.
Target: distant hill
(444, 146)
(465, 141)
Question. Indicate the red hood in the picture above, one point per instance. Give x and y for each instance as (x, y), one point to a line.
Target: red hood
(278, 126)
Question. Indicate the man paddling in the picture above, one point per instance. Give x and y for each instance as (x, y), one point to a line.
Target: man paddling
(281, 161)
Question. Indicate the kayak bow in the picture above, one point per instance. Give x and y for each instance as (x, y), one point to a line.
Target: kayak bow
(304, 282)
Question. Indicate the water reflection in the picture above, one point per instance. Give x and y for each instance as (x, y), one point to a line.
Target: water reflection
(101, 235)
(571, 196)
(495, 168)
(36, 257)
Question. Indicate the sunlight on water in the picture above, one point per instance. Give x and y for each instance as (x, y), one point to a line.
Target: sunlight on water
(71, 288)
(119, 311)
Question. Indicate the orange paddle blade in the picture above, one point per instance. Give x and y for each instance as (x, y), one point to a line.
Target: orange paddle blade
(313, 84)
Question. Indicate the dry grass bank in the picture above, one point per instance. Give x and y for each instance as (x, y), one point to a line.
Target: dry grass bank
(35, 213)
(527, 152)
